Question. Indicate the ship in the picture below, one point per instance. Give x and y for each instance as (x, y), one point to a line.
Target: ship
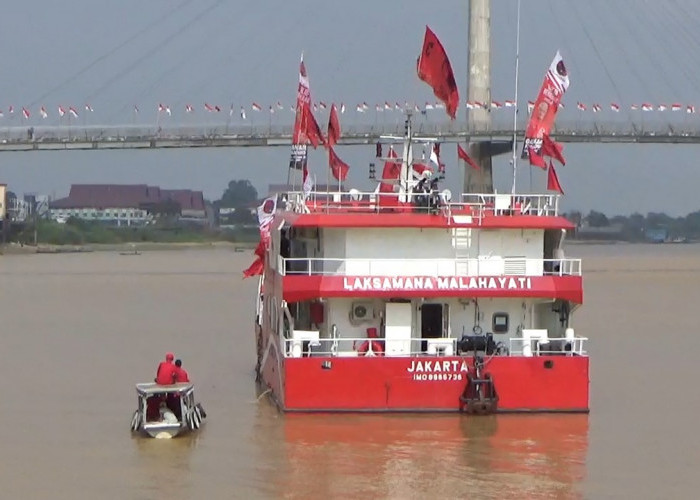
(410, 299)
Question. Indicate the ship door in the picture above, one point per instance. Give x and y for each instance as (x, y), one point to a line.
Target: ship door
(431, 321)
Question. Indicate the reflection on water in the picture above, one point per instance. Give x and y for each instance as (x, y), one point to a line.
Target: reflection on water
(396, 456)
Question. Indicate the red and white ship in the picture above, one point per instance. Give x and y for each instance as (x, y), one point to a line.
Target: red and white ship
(407, 299)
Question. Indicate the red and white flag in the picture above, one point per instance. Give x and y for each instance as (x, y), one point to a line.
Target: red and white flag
(25, 113)
(306, 129)
(189, 108)
(11, 109)
(322, 105)
(342, 108)
(88, 108)
(690, 109)
(556, 81)
(308, 182)
(279, 105)
(429, 106)
(634, 107)
(256, 107)
(271, 109)
(509, 103)
(496, 105)
(43, 112)
(615, 107)
(136, 110)
(581, 106)
(530, 106)
(62, 111)
(242, 113)
(208, 107)
(647, 107)
(676, 107)
(359, 108)
(434, 68)
(596, 108)
(662, 107)
(266, 214)
(73, 112)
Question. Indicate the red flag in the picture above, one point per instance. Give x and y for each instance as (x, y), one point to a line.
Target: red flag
(553, 180)
(312, 131)
(391, 172)
(462, 154)
(338, 167)
(552, 149)
(556, 81)
(333, 127)
(434, 69)
(536, 159)
(255, 269)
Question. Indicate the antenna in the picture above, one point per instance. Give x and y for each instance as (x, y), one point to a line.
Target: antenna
(515, 111)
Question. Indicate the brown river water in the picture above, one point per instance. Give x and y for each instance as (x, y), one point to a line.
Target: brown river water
(78, 330)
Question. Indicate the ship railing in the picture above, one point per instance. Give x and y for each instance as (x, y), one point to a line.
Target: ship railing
(309, 343)
(304, 343)
(475, 205)
(537, 343)
(475, 267)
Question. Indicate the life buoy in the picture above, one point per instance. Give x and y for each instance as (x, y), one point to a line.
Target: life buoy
(364, 349)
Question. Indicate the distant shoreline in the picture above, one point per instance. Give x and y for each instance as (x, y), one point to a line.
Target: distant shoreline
(124, 248)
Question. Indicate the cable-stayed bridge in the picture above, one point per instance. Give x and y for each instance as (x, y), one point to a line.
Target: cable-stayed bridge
(203, 135)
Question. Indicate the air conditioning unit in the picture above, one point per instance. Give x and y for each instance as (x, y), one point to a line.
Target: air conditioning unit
(361, 312)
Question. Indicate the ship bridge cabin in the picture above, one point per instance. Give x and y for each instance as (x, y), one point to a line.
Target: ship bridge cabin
(359, 274)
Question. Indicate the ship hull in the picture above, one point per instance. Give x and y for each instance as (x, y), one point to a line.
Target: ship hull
(425, 383)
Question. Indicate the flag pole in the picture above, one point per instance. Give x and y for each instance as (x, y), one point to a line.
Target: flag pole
(515, 111)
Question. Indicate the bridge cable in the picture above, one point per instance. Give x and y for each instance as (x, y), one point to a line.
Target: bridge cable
(155, 49)
(109, 53)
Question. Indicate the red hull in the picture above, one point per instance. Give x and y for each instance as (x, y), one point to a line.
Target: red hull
(523, 384)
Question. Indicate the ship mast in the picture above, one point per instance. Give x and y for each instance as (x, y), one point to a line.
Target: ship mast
(515, 97)
(406, 159)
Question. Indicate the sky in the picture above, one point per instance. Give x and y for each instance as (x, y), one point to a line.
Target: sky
(117, 55)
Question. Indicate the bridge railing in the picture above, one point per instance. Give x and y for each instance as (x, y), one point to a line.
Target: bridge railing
(422, 127)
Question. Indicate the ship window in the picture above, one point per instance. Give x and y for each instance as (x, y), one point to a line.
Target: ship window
(500, 322)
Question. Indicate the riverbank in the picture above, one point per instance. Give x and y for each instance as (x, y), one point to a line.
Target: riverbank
(123, 248)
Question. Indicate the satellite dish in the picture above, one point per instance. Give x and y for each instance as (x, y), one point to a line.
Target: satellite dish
(446, 195)
(355, 195)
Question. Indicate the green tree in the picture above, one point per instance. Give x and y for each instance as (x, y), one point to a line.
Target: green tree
(239, 194)
(597, 219)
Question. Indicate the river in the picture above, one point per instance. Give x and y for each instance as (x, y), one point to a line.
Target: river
(80, 329)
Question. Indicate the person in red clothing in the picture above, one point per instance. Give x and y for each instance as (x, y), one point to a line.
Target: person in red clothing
(181, 374)
(166, 370)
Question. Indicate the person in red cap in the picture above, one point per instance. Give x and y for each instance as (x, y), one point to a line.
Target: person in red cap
(166, 370)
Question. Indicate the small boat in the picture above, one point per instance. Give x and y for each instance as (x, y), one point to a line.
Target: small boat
(164, 411)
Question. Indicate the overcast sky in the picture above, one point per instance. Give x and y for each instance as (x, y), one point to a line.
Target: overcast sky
(114, 55)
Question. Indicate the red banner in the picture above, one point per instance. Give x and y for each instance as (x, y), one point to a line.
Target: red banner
(434, 69)
(556, 81)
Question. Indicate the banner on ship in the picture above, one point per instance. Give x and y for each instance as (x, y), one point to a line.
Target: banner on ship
(299, 139)
(556, 81)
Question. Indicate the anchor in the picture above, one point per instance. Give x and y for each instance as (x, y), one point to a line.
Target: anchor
(479, 396)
